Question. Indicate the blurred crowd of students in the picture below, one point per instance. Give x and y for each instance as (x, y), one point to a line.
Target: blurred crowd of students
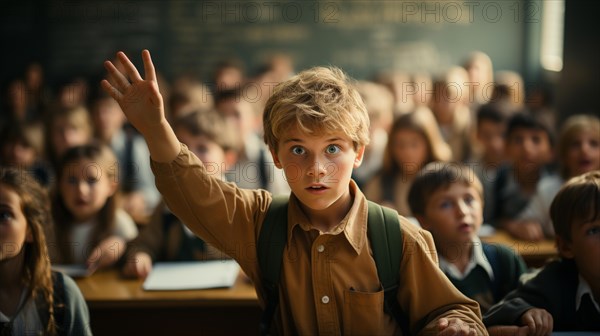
(106, 210)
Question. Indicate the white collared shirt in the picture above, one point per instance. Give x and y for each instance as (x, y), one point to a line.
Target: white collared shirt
(477, 258)
(582, 289)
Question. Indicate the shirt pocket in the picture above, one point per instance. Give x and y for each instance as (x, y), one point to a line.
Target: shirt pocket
(363, 313)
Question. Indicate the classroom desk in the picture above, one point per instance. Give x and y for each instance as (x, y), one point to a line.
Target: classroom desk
(534, 253)
(120, 306)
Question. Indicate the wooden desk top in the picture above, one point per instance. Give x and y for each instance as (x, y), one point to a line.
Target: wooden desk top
(534, 253)
(107, 288)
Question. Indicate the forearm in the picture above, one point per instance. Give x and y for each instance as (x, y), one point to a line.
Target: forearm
(162, 142)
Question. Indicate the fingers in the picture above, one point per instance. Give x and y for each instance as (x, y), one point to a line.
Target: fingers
(111, 90)
(148, 66)
(119, 80)
(134, 75)
(454, 327)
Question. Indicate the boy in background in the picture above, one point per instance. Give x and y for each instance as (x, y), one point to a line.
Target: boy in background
(529, 145)
(316, 127)
(447, 199)
(564, 295)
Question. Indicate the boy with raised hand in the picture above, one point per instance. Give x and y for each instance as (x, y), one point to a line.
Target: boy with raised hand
(565, 294)
(447, 199)
(316, 127)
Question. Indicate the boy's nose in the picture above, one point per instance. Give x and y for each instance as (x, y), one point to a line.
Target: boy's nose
(318, 168)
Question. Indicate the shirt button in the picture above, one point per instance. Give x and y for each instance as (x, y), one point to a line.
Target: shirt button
(320, 248)
(325, 299)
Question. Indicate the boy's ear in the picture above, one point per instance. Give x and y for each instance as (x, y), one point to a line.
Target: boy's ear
(360, 153)
(275, 159)
(565, 248)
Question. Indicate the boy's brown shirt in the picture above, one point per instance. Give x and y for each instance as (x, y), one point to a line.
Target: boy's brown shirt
(329, 283)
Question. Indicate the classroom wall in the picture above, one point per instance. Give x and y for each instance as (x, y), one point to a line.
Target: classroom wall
(74, 37)
(363, 37)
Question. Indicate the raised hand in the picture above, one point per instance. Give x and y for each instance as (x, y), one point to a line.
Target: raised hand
(142, 103)
(139, 98)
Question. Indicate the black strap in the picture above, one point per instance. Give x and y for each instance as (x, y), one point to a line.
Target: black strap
(384, 233)
(271, 243)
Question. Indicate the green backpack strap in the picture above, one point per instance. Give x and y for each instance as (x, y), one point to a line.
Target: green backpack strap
(270, 246)
(386, 242)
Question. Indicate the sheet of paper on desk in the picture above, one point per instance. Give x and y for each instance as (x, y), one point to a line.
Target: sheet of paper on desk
(74, 271)
(192, 275)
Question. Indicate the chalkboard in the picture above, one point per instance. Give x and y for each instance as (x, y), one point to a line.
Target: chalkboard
(362, 37)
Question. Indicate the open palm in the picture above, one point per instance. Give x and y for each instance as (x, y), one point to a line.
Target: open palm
(139, 98)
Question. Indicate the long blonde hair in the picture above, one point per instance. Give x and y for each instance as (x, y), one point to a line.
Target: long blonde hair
(35, 206)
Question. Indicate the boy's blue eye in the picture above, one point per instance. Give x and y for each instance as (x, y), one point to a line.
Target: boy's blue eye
(298, 150)
(92, 180)
(333, 149)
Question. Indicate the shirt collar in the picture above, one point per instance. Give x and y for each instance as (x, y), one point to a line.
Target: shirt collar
(582, 289)
(354, 224)
(477, 258)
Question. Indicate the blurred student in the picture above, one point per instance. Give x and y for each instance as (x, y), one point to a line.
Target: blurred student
(228, 75)
(21, 146)
(139, 194)
(380, 107)
(447, 199)
(565, 294)
(489, 154)
(451, 110)
(90, 226)
(255, 167)
(166, 238)
(578, 153)
(529, 145)
(34, 300)
(414, 141)
(66, 128)
(481, 79)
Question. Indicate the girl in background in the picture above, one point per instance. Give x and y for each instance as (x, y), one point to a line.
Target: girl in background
(33, 300)
(414, 141)
(91, 228)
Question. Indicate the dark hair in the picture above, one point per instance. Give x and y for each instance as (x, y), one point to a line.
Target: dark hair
(495, 112)
(578, 201)
(525, 120)
(227, 94)
(436, 176)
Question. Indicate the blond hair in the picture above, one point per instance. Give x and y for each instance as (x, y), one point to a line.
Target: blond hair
(572, 127)
(318, 101)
